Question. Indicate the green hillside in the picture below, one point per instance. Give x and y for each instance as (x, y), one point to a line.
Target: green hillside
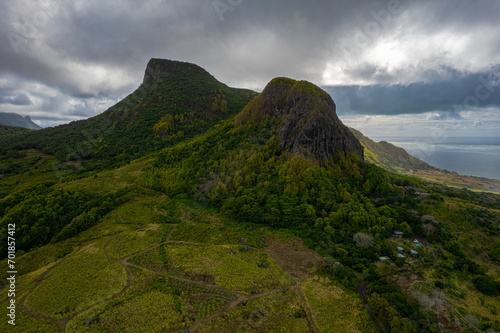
(250, 221)
(184, 102)
(11, 130)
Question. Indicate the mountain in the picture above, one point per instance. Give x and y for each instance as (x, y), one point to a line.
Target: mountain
(13, 119)
(305, 118)
(175, 102)
(263, 215)
(388, 156)
(396, 159)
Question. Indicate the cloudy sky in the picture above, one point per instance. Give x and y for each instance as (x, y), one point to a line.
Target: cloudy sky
(398, 67)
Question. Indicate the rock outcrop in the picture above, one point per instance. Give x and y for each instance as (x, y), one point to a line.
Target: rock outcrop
(161, 68)
(306, 119)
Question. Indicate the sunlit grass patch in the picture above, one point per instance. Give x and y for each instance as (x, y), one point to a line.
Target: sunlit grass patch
(153, 311)
(130, 242)
(86, 321)
(333, 309)
(131, 216)
(151, 260)
(277, 312)
(110, 181)
(38, 258)
(227, 266)
(25, 323)
(82, 280)
(198, 301)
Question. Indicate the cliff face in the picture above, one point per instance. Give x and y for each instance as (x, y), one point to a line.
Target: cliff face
(305, 117)
(160, 68)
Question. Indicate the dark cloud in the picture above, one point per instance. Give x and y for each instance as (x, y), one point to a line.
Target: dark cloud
(391, 56)
(18, 99)
(464, 93)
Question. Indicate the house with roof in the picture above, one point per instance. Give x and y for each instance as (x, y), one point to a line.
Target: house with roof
(398, 234)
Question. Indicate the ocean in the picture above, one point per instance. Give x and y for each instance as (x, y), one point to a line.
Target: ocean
(472, 156)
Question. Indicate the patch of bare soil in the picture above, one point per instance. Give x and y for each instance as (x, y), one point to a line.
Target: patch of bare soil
(294, 257)
(406, 282)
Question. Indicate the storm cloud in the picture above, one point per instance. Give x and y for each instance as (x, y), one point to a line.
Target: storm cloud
(66, 60)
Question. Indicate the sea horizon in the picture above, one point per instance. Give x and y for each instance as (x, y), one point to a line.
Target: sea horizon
(469, 156)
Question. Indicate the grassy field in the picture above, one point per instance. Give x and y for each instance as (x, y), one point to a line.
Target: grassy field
(130, 242)
(26, 323)
(152, 311)
(227, 266)
(277, 312)
(110, 181)
(151, 260)
(80, 281)
(456, 180)
(136, 215)
(333, 309)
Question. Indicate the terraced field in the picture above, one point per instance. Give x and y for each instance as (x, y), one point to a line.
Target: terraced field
(137, 272)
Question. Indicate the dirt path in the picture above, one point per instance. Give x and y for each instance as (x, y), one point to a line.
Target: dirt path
(64, 322)
(303, 300)
(31, 286)
(361, 290)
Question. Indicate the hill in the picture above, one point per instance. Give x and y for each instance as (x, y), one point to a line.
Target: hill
(13, 119)
(175, 102)
(11, 130)
(251, 223)
(304, 117)
(392, 158)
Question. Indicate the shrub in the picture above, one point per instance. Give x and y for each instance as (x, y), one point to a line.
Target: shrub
(487, 285)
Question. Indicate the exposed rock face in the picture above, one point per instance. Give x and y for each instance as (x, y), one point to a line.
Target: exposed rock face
(160, 68)
(305, 117)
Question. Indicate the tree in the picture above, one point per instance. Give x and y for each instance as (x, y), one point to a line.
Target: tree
(428, 229)
(363, 240)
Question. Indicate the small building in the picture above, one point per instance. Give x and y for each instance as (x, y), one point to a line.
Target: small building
(382, 259)
(399, 248)
(416, 241)
(397, 234)
(418, 245)
(400, 255)
(414, 252)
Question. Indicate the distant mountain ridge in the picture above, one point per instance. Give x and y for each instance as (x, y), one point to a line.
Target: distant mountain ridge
(389, 156)
(13, 119)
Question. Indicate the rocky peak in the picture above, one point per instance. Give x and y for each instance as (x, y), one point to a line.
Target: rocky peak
(305, 117)
(161, 68)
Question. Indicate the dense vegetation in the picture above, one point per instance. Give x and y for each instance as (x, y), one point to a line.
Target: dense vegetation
(10, 130)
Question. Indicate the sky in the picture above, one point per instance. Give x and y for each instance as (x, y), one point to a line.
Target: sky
(393, 67)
